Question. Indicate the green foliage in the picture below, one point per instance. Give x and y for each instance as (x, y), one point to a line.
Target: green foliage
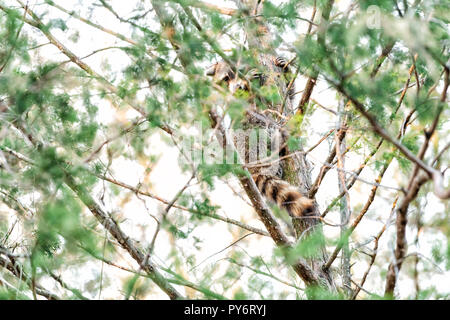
(62, 128)
(60, 230)
(308, 248)
(319, 293)
(294, 126)
(447, 256)
(203, 208)
(283, 13)
(438, 252)
(58, 24)
(208, 171)
(218, 22)
(294, 143)
(240, 295)
(11, 294)
(236, 109)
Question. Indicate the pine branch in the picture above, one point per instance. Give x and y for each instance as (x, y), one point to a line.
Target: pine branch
(17, 270)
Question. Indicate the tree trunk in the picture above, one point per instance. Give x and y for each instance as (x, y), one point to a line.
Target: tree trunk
(296, 169)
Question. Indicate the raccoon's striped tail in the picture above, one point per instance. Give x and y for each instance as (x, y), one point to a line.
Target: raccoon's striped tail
(284, 195)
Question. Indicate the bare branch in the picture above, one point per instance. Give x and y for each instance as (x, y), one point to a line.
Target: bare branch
(320, 38)
(212, 7)
(125, 241)
(401, 245)
(135, 123)
(212, 215)
(325, 167)
(374, 250)
(433, 173)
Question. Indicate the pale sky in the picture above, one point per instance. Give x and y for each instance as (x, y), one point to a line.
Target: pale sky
(166, 177)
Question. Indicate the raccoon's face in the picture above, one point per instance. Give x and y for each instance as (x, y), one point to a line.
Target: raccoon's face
(222, 74)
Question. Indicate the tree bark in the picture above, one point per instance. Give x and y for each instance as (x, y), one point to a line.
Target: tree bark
(296, 169)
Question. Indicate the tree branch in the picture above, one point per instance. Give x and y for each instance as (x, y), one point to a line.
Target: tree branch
(436, 175)
(17, 270)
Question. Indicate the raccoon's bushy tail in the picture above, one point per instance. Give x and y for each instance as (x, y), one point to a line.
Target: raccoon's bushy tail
(284, 195)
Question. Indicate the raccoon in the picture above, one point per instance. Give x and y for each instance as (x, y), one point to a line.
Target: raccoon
(223, 74)
(267, 178)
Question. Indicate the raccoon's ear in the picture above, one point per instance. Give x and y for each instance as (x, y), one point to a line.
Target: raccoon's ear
(254, 74)
(281, 62)
(211, 71)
